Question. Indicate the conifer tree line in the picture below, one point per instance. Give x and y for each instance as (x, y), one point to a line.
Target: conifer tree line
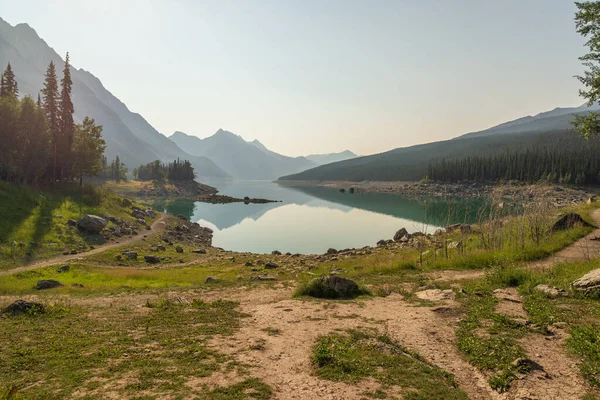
(115, 171)
(568, 160)
(39, 141)
(176, 171)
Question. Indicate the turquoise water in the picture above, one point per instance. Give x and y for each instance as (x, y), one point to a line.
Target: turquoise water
(313, 219)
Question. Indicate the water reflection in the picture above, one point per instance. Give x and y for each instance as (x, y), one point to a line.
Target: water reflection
(312, 219)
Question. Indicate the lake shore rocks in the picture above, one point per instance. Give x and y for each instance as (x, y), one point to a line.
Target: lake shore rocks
(223, 199)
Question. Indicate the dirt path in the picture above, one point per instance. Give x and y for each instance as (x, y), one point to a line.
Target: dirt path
(156, 226)
(583, 249)
(555, 374)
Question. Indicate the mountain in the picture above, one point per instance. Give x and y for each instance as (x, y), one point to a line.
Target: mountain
(321, 159)
(127, 134)
(411, 163)
(239, 158)
(559, 118)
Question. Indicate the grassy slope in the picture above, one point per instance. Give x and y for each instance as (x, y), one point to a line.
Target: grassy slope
(34, 224)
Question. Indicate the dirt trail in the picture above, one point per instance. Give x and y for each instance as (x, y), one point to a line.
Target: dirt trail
(583, 249)
(554, 374)
(156, 226)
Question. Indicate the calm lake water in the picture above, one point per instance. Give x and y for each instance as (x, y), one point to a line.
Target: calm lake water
(313, 219)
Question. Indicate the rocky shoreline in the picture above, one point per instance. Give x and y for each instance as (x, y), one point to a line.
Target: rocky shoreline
(556, 195)
(224, 199)
(189, 189)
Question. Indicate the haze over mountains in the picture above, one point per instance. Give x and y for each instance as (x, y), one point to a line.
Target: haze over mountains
(411, 163)
(128, 134)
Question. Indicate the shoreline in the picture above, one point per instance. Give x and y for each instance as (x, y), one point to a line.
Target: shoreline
(558, 195)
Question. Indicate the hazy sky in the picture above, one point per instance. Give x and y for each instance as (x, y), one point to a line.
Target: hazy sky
(324, 75)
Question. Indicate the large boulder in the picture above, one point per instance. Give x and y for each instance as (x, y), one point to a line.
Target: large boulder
(332, 286)
(570, 221)
(400, 234)
(590, 282)
(152, 259)
(47, 284)
(92, 223)
(23, 307)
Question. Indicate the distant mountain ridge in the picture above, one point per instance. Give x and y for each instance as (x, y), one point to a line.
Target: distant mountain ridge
(411, 163)
(239, 158)
(127, 134)
(321, 159)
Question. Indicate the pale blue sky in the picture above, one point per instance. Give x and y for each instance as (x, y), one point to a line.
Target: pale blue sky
(320, 76)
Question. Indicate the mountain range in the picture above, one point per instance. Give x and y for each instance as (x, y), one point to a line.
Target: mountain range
(128, 134)
(411, 163)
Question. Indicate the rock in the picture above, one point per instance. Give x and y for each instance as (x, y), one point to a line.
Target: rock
(455, 245)
(77, 285)
(92, 223)
(591, 200)
(331, 251)
(179, 249)
(47, 284)
(436, 294)
(381, 243)
(152, 259)
(590, 282)
(139, 214)
(161, 247)
(132, 255)
(249, 264)
(404, 239)
(118, 257)
(262, 278)
(63, 268)
(23, 307)
(71, 222)
(466, 229)
(343, 287)
(452, 228)
(276, 252)
(126, 202)
(551, 291)
(351, 190)
(199, 251)
(400, 234)
(569, 221)
(260, 262)
(210, 279)
(150, 212)
(271, 265)
(438, 232)
(73, 252)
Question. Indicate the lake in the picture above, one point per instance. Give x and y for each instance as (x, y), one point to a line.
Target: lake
(311, 219)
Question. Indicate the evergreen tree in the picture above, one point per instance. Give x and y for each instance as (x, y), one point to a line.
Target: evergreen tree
(88, 148)
(66, 124)
(50, 93)
(8, 85)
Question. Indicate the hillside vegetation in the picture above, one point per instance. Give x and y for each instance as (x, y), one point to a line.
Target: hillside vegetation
(411, 163)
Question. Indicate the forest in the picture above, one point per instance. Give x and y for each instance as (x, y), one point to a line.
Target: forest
(564, 160)
(176, 171)
(39, 140)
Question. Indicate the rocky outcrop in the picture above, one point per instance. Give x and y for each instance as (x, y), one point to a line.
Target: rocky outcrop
(570, 221)
(20, 307)
(343, 287)
(47, 284)
(223, 199)
(92, 224)
(189, 233)
(590, 282)
(401, 234)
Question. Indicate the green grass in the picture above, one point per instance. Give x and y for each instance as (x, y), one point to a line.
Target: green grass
(119, 349)
(252, 388)
(36, 226)
(357, 355)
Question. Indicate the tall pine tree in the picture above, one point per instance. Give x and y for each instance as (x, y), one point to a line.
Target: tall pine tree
(50, 93)
(8, 86)
(66, 124)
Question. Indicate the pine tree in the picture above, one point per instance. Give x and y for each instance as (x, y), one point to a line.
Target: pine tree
(9, 87)
(66, 124)
(50, 93)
